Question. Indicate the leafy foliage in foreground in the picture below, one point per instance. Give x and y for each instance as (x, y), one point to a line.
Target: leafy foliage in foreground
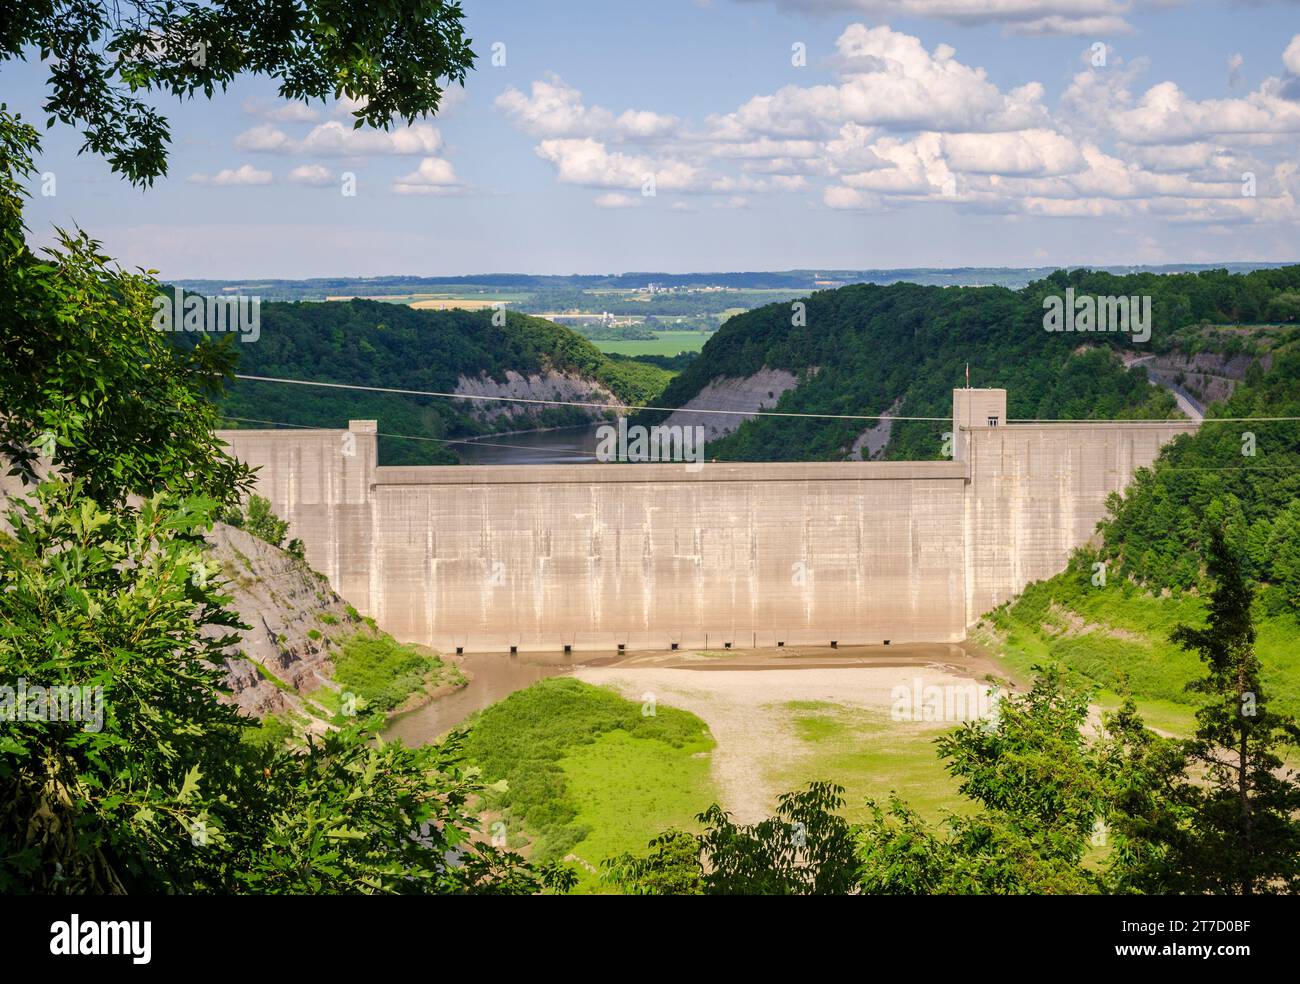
(105, 587)
(86, 383)
(163, 796)
(393, 60)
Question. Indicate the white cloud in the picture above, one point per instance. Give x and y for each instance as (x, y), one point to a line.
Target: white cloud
(334, 139)
(1165, 114)
(434, 176)
(1023, 152)
(264, 138)
(1291, 56)
(246, 174)
(902, 124)
(888, 79)
(556, 110)
(311, 174)
(284, 112)
(616, 199)
(588, 162)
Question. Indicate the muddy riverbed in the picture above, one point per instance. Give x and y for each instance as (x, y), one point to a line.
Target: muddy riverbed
(495, 676)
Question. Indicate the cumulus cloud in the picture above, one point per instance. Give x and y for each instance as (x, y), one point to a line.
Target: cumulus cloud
(1022, 152)
(888, 79)
(284, 112)
(1291, 56)
(333, 139)
(434, 176)
(589, 162)
(311, 174)
(554, 109)
(901, 123)
(246, 174)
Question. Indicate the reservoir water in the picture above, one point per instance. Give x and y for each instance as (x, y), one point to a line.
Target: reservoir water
(557, 446)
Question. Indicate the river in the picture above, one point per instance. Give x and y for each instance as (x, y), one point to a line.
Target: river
(495, 676)
(557, 446)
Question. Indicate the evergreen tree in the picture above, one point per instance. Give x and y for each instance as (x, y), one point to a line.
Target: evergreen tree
(1245, 833)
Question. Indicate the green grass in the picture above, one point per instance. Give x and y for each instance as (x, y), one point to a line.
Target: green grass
(664, 343)
(586, 772)
(627, 790)
(1117, 639)
(382, 670)
(870, 756)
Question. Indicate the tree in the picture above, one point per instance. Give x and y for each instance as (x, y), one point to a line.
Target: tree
(807, 848)
(393, 59)
(121, 769)
(1045, 793)
(87, 385)
(1245, 834)
(1042, 792)
(264, 524)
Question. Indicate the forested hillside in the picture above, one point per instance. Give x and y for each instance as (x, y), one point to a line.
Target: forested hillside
(865, 348)
(370, 343)
(1108, 617)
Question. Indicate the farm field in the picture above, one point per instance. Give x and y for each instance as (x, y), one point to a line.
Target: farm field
(664, 343)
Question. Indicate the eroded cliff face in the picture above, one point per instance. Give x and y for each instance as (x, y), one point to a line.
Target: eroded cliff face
(1209, 376)
(293, 613)
(547, 385)
(743, 397)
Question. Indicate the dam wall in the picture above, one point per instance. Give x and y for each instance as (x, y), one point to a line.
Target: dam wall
(596, 556)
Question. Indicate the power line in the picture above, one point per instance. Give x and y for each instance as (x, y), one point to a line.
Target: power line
(574, 403)
(414, 437)
(586, 454)
(743, 413)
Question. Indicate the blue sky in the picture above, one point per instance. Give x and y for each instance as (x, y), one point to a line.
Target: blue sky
(917, 133)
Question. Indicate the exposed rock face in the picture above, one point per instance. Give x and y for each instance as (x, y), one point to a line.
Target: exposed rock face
(1208, 376)
(283, 600)
(870, 444)
(760, 391)
(548, 385)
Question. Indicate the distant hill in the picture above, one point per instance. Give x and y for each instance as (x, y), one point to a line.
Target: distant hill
(868, 349)
(370, 343)
(319, 288)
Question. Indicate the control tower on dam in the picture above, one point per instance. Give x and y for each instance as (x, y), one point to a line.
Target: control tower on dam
(648, 556)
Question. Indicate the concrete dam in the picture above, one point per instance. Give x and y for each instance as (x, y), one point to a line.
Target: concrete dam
(648, 556)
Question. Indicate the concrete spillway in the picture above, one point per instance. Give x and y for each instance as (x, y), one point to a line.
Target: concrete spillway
(539, 557)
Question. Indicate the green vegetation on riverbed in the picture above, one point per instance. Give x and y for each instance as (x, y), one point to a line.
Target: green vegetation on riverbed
(586, 771)
(382, 670)
(871, 756)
